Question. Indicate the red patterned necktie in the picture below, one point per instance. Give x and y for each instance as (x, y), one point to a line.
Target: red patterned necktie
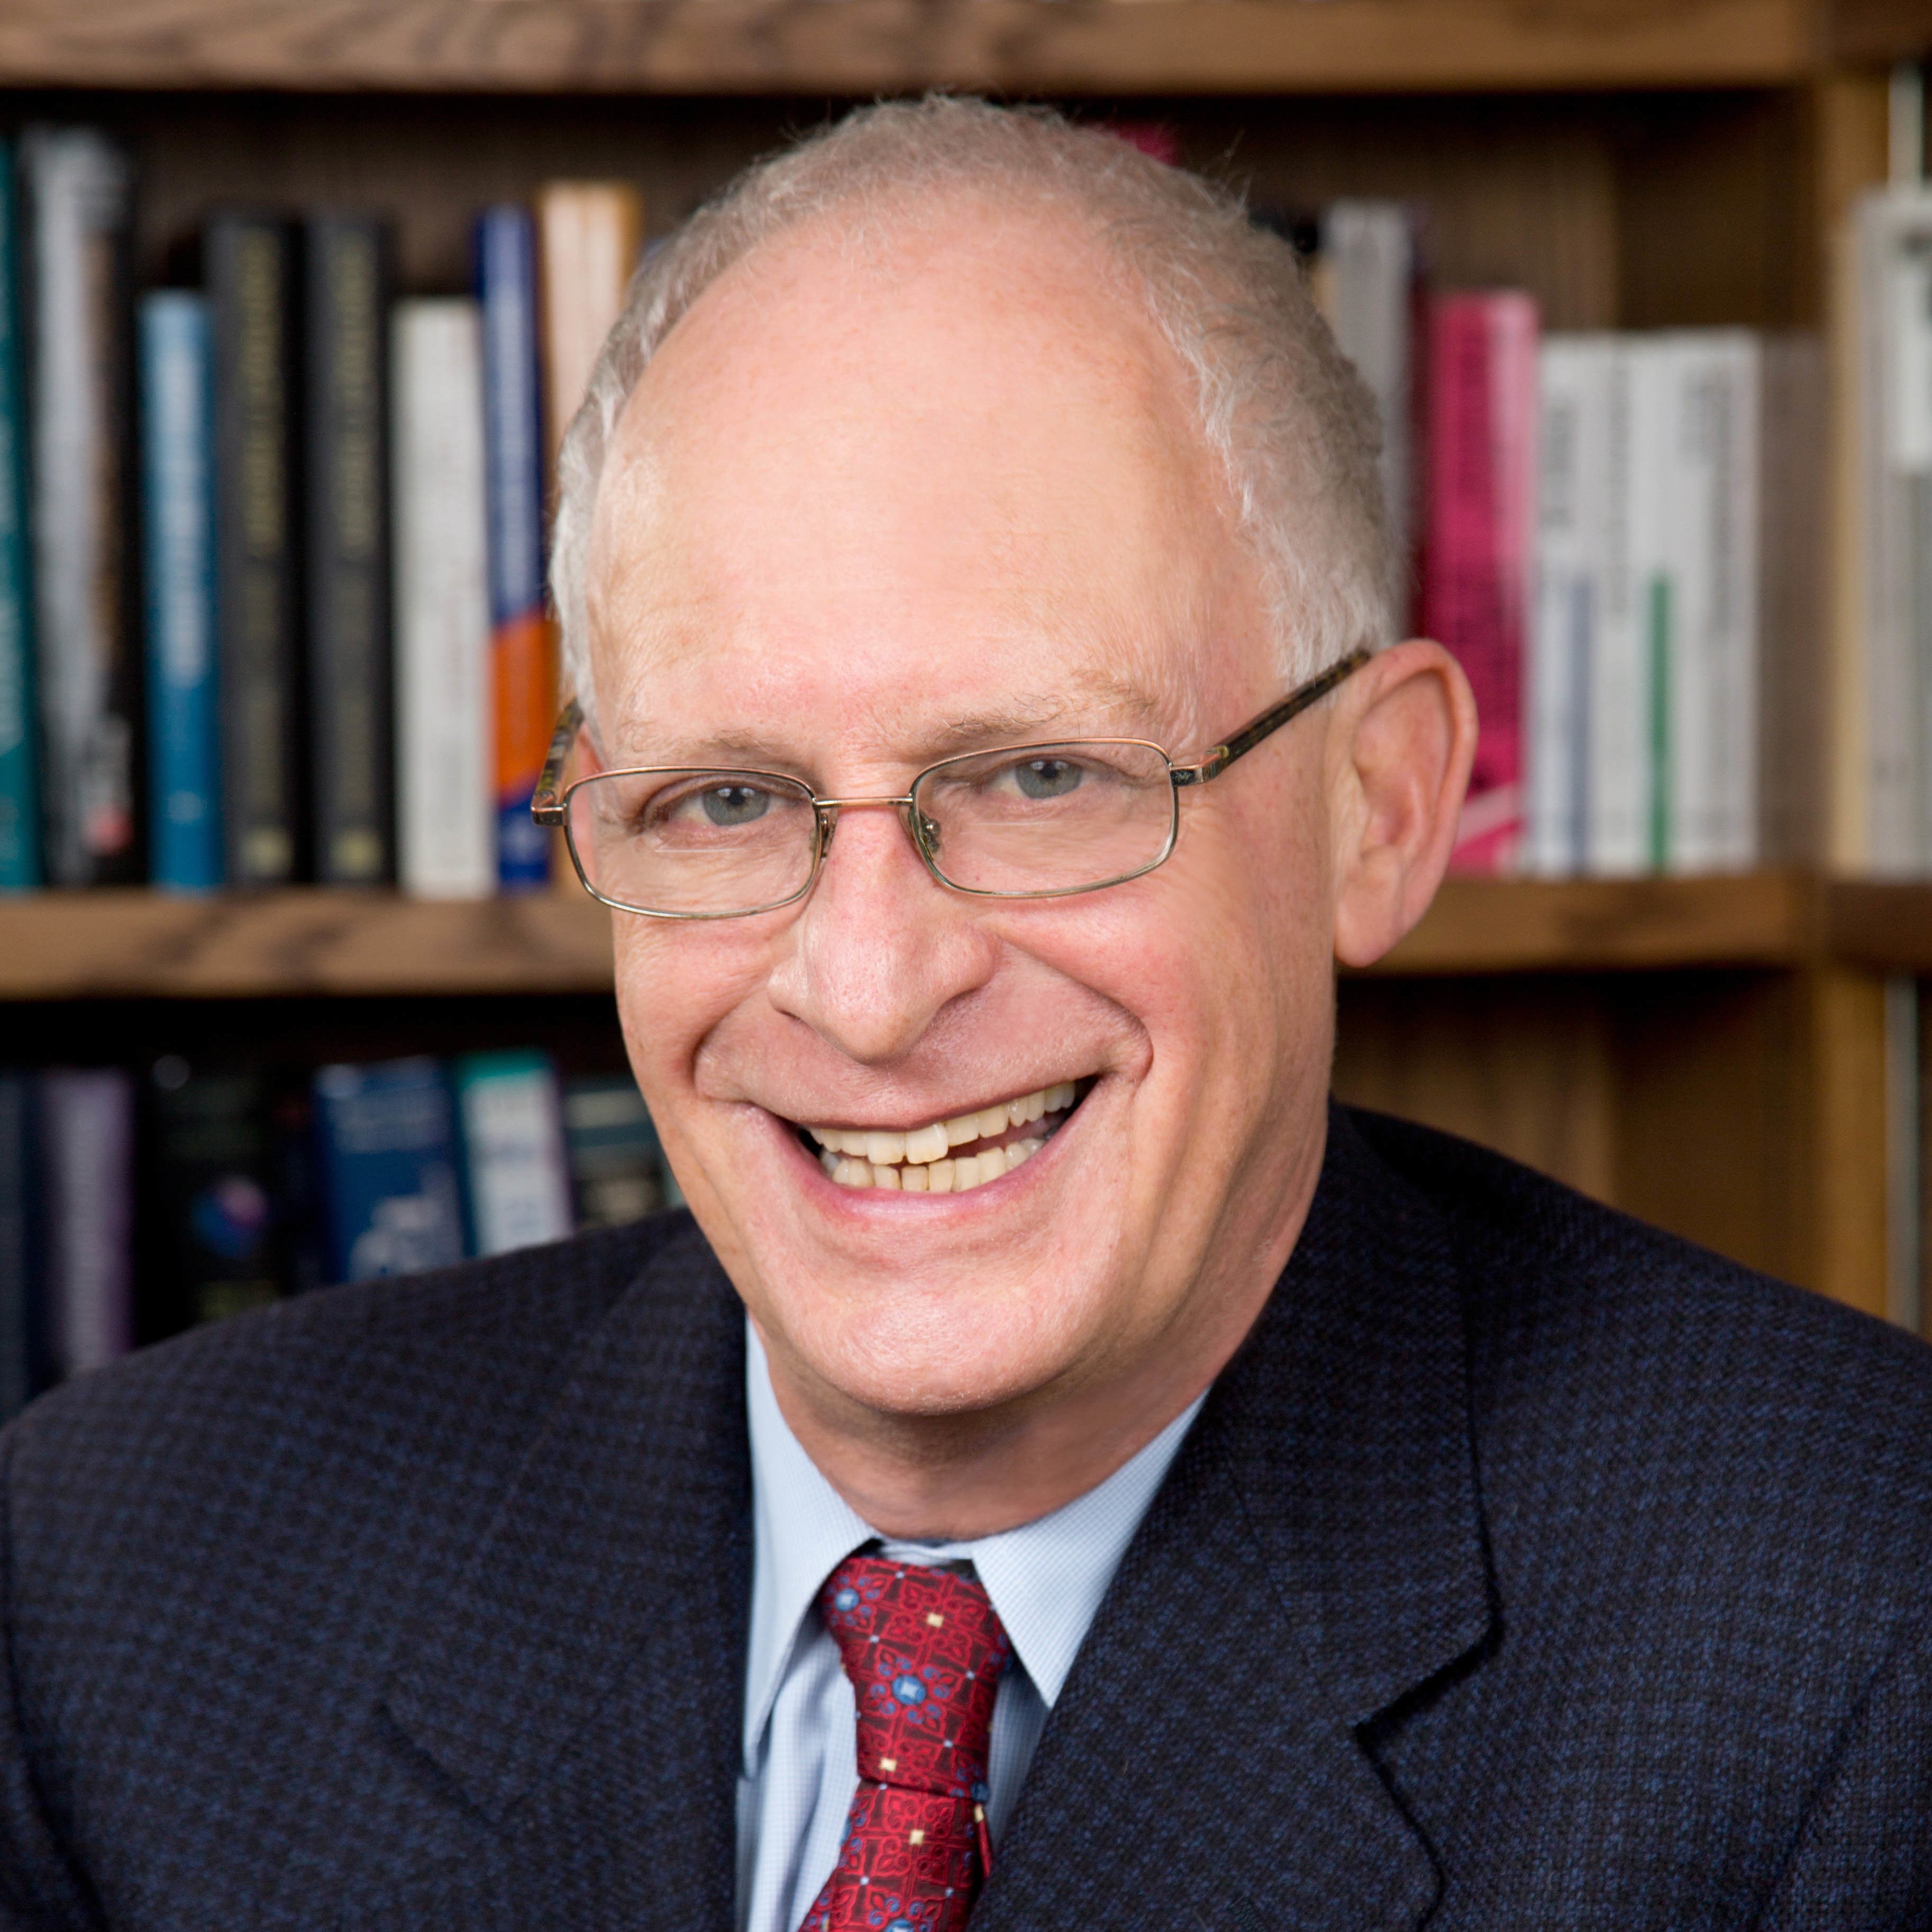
(925, 1653)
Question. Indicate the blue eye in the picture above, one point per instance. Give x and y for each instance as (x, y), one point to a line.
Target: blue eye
(1048, 777)
(728, 805)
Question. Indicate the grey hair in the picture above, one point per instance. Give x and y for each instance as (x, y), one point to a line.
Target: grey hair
(1294, 428)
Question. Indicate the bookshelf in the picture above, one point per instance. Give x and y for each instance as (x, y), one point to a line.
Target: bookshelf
(1715, 1054)
(131, 944)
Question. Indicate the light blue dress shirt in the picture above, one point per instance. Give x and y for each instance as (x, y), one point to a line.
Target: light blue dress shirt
(800, 1764)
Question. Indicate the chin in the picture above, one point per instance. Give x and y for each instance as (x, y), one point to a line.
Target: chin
(940, 1347)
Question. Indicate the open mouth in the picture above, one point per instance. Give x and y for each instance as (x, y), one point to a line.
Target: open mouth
(953, 1155)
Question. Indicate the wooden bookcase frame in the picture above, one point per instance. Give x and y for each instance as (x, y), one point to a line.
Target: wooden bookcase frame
(1711, 1053)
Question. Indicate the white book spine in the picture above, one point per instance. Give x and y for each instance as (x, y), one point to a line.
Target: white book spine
(445, 723)
(1618, 710)
(1733, 655)
(1368, 251)
(1685, 497)
(1575, 376)
(1895, 286)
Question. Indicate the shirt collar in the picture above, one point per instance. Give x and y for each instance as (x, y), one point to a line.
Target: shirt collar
(1045, 1579)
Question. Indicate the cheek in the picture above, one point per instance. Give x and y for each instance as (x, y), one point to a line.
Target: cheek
(676, 984)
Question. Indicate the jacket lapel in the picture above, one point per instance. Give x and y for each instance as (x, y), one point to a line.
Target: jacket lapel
(1315, 1555)
(579, 1682)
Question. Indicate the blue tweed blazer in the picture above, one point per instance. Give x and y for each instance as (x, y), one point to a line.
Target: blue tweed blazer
(1526, 1568)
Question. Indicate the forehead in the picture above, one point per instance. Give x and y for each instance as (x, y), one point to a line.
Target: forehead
(921, 475)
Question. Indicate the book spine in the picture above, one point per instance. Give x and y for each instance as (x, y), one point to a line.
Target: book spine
(446, 816)
(617, 1169)
(386, 1150)
(512, 1133)
(20, 771)
(1794, 678)
(210, 1199)
(345, 284)
(1481, 547)
(178, 525)
(250, 262)
(1733, 660)
(589, 237)
(88, 1147)
(1574, 433)
(79, 193)
(1897, 301)
(522, 650)
(20, 1194)
(1369, 256)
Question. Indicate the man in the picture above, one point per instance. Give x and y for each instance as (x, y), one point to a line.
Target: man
(1062, 1472)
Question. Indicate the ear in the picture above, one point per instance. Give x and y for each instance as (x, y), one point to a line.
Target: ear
(1401, 744)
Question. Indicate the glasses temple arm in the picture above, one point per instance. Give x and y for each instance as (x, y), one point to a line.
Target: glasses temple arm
(1271, 720)
(546, 807)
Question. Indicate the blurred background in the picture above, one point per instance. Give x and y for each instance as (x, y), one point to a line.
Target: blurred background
(296, 297)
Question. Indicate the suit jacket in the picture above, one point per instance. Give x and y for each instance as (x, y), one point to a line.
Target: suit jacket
(1525, 1568)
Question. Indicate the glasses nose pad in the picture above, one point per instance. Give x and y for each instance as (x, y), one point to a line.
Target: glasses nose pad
(923, 830)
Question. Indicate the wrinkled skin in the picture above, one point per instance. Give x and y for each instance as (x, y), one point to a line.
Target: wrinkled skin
(872, 504)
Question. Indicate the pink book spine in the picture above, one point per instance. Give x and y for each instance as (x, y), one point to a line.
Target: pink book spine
(1481, 555)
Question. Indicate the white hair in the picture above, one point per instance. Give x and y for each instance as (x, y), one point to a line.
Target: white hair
(1294, 428)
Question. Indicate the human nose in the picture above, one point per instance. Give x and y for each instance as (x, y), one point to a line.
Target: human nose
(880, 948)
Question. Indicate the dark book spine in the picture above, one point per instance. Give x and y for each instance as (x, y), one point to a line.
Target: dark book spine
(345, 297)
(250, 268)
(19, 1244)
(79, 196)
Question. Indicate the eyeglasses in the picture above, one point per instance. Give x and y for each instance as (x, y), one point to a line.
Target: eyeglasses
(1024, 822)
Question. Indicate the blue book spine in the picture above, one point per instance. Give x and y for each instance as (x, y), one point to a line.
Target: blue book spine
(178, 519)
(524, 677)
(19, 778)
(385, 1139)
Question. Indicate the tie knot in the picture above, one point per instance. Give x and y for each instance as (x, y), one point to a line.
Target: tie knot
(926, 1653)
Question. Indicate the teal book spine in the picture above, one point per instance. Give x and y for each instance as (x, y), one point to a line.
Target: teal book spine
(19, 778)
(177, 525)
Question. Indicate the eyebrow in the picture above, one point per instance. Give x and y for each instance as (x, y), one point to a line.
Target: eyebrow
(1024, 720)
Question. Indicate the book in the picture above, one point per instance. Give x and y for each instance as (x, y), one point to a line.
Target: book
(1794, 657)
(345, 292)
(19, 763)
(1479, 551)
(617, 1172)
(212, 1180)
(78, 197)
(88, 1146)
(589, 234)
(1711, 483)
(446, 819)
(178, 525)
(1368, 281)
(386, 1159)
(523, 651)
(250, 264)
(1884, 820)
(518, 1182)
(21, 1200)
(1577, 373)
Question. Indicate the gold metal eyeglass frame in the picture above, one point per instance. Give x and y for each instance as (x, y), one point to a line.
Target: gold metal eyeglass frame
(549, 807)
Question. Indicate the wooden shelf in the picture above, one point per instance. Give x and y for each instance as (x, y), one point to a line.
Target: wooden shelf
(135, 944)
(866, 47)
(143, 944)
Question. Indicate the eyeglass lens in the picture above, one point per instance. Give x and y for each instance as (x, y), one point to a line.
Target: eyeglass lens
(1043, 819)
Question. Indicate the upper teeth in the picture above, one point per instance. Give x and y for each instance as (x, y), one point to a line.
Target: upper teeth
(873, 1157)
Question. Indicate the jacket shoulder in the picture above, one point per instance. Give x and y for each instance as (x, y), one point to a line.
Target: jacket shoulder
(381, 1387)
(1665, 1401)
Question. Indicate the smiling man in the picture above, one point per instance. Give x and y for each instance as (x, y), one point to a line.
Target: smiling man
(1062, 1471)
